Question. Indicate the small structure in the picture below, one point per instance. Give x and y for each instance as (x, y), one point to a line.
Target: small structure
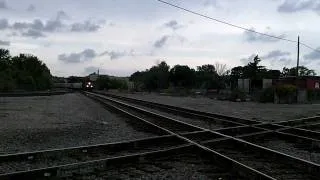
(244, 85)
(266, 83)
(302, 82)
(93, 77)
(308, 87)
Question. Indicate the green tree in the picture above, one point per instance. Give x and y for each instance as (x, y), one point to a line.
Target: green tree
(117, 84)
(303, 71)
(160, 74)
(138, 80)
(7, 83)
(30, 71)
(4, 59)
(103, 82)
(75, 79)
(253, 71)
(182, 76)
(207, 77)
(157, 77)
(235, 74)
(23, 72)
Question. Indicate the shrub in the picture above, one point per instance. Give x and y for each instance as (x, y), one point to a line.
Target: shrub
(267, 95)
(7, 83)
(237, 94)
(286, 93)
(313, 94)
(286, 90)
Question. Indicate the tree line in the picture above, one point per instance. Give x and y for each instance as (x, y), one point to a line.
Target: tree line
(207, 76)
(161, 76)
(23, 72)
(101, 83)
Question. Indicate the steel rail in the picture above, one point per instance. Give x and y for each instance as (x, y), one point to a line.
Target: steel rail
(296, 131)
(236, 166)
(310, 126)
(312, 167)
(217, 117)
(212, 115)
(54, 171)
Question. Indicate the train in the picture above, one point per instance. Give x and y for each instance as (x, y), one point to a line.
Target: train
(86, 85)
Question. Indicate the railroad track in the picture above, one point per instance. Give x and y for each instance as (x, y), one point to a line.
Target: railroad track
(176, 139)
(50, 93)
(288, 139)
(73, 162)
(262, 161)
(304, 127)
(61, 162)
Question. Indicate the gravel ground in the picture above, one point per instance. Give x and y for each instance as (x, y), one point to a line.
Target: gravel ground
(35, 123)
(264, 112)
(49, 159)
(297, 148)
(177, 167)
(267, 164)
(291, 149)
(208, 124)
(312, 127)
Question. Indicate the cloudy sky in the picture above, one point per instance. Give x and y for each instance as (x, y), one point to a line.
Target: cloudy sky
(76, 37)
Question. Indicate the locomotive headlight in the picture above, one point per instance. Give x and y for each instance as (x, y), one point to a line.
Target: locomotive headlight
(91, 86)
(87, 85)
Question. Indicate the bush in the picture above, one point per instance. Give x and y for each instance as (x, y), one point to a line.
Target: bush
(267, 95)
(176, 91)
(169, 90)
(286, 93)
(286, 90)
(27, 83)
(237, 94)
(313, 94)
(7, 83)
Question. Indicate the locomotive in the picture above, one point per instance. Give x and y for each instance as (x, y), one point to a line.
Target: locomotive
(88, 86)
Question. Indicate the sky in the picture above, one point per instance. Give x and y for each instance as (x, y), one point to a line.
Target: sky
(119, 37)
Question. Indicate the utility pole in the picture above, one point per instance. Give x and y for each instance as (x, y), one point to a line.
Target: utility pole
(298, 55)
(297, 73)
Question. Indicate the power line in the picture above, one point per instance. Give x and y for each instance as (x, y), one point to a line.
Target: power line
(236, 26)
(224, 22)
(307, 46)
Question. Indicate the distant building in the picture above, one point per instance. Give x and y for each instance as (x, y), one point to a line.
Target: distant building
(93, 77)
(244, 85)
(303, 82)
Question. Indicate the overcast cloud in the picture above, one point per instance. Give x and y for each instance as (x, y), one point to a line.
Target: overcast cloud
(4, 43)
(161, 42)
(291, 6)
(85, 55)
(275, 54)
(312, 56)
(31, 8)
(173, 24)
(254, 37)
(121, 37)
(3, 4)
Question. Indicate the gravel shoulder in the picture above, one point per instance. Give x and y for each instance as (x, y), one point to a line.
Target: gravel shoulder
(35, 123)
(178, 167)
(251, 110)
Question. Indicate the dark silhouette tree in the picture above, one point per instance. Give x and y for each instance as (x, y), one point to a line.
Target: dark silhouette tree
(207, 77)
(303, 71)
(182, 76)
(157, 77)
(23, 72)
